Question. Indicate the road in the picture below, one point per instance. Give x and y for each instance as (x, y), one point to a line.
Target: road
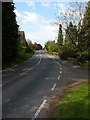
(28, 87)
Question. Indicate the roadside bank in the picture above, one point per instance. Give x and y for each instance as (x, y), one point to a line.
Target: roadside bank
(73, 102)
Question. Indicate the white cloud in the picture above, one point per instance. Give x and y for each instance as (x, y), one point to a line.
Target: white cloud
(50, 0)
(46, 4)
(25, 17)
(30, 3)
(60, 6)
(30, 17)
(44, 34)
(36, 27)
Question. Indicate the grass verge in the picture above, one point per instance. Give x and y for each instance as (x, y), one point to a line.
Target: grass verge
(74, 104)
(18, 60)
(85, 64)
(53, 53)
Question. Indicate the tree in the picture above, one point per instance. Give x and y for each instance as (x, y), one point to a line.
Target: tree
(70, 43)
(86, 19)
(73, 12)
(51, 46)
(71, 35)
(86, 27)
(9, 32)
(79, 37)
(60, 36)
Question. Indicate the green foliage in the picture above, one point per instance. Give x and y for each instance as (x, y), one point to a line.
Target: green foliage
(86, 19)
(60, 36)
(86, 27)
(77, 39)
(84, 32)
(54, 53)
(9, 32)
(22, 44)
(63, 56)
(51, 46)
(70, 44)
(71, 37)
(28, 49)
(84, 37)
(18, 60)
(15, 48)
(83, 56)
(66, 51)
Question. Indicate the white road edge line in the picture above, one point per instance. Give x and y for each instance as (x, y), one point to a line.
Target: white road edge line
(58, 77)
(37, 63)
(39, 109)
(21, 63)
(53, 87)
(23, 73)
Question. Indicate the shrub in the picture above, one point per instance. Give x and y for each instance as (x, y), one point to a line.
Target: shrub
(63, 56)
(83, 56)
(51, 46)
(55, 53)
(66, 52)
(28, 49)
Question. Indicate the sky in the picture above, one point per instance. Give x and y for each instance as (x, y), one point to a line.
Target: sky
(37, 19)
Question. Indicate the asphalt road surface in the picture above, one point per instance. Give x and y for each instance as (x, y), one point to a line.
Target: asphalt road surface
(28, 87)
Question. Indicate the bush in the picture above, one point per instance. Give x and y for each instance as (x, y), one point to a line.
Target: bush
(55, 53)
(63, 55)
(66, 52)
(51, 47)
(28, 49)
(83, 56)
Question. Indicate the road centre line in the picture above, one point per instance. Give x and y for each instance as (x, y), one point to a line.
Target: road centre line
(58, 77)
(38, 63)
(39, 109)
(60, 72)
(53, 87)
(60, 68)
(39, 60)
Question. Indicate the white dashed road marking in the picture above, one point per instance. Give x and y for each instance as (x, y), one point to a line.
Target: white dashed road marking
(39, 60)
(58, 77)
(60, 72)
(53, 87)
(39, 109)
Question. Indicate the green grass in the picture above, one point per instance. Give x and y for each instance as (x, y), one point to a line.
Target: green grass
(74, 104)
(53, 53)
(18, 60)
